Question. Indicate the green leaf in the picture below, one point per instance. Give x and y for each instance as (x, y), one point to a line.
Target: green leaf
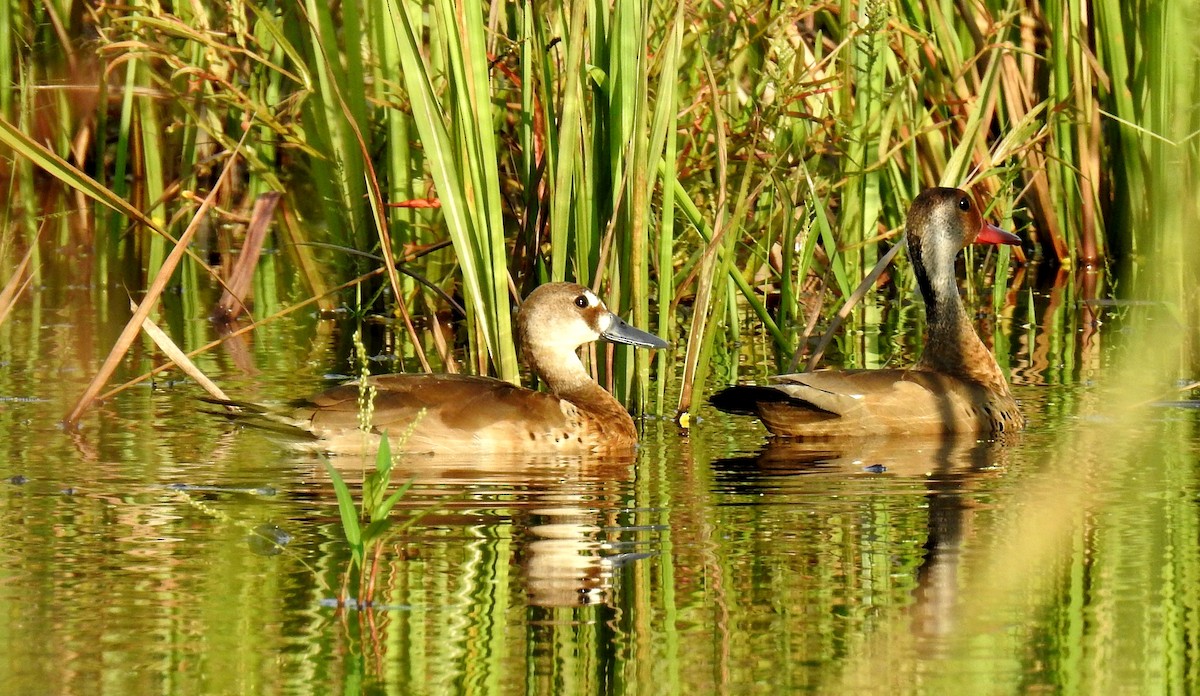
(385, 508)
(383, 457)
(69, 174)
(376, 483)
(350, 525)
(374, 531)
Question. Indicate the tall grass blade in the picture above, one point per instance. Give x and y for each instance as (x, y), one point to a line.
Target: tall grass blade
(569, 180)
(664, 139)
(69, 174)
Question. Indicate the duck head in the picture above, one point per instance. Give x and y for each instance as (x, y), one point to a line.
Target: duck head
(940, 224)
(557, 318)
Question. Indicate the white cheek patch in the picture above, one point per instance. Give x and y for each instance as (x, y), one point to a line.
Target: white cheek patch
(602, 323)
(575, 328)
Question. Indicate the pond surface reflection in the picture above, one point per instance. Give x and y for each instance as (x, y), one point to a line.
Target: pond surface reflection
(711, 561)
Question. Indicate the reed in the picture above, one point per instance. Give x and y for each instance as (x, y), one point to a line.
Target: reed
(741, 159)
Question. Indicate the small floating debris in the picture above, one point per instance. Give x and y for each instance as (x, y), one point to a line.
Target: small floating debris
(875, 469)
(1116, 302)
(353, 604)
(18, 480)
(638, 528)
(201, 488)
(622, 559)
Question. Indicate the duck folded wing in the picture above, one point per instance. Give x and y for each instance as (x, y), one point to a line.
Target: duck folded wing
(838, 403)
(453, 406)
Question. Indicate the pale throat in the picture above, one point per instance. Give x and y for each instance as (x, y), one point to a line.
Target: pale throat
(554, 355)
(559, 366)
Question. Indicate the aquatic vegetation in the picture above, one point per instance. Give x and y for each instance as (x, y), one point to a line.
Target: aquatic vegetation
(701, 157)
(375, 508)
(724, 172)
(375, 504)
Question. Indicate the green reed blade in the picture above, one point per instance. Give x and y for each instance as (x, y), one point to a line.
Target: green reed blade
(476, 121)
(446, 161)
(153, 146)
(568, 180)
(664, 138)
(335, 116)
(8, 64)
(955, 173)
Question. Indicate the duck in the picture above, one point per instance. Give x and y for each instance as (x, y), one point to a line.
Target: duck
(955, 387)
(467, 414)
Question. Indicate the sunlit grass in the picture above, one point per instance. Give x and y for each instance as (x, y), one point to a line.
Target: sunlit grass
(723, 159)
(708, 166)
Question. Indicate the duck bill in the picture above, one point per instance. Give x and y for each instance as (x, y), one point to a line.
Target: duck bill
(620, 332)
(990, 234)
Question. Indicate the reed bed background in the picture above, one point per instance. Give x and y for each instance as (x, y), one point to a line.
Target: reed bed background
(700, 163)
(689, 160)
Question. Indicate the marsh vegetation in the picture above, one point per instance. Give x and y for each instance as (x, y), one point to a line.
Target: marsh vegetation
(724, 174)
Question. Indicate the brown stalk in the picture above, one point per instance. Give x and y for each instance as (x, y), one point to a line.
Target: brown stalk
(233, 299)
(177, 356)
(130, 332)
(15, 285)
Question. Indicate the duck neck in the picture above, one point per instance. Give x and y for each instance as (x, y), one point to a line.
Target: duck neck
(566, 378)
(952, 346)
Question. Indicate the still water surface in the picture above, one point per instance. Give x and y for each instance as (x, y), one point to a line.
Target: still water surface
(708, 563)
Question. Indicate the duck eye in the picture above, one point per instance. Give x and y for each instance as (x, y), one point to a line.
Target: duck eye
(964, 204)
(581, 302)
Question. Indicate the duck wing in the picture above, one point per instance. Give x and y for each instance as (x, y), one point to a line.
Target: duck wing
(841, 403)
(456, 408)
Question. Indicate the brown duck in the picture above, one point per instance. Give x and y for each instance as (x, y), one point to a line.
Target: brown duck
(467, 414)
(956, 386)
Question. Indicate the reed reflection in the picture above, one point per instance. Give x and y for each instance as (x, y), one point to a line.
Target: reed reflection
(952, 471)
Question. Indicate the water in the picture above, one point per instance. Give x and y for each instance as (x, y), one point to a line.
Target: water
(136, 555)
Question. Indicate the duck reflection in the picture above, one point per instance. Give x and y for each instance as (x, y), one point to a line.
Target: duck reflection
(936, 456)
(561, 522)
(952, 468)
